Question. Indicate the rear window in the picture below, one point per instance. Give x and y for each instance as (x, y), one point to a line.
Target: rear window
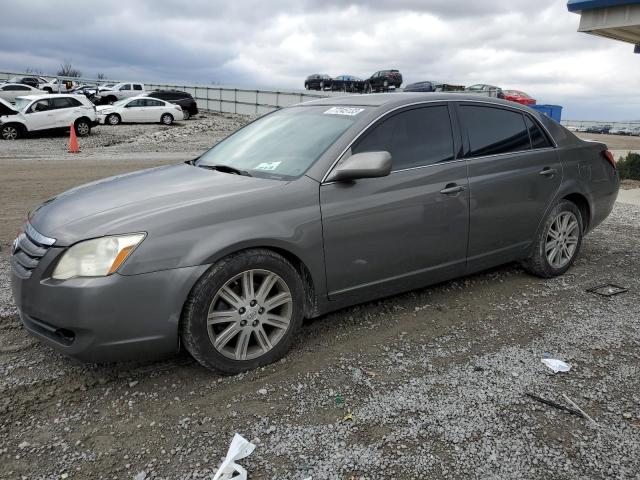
(64, 102)
(494, 131)
(538, 138)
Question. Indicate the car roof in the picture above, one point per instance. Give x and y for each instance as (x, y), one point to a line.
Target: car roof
(48, 95)
(404, 98)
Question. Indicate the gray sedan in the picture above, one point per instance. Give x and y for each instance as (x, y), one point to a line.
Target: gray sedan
(306, 210)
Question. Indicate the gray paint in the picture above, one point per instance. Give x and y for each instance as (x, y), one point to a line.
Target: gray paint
(357, 240)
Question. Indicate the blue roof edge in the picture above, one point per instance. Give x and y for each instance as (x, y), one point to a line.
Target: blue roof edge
(577, 6)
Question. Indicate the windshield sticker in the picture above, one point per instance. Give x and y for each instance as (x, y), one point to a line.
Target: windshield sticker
(351, 111)
(268, 166)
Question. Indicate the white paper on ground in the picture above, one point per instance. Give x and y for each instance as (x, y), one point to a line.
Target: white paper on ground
(239, 448)
(556, 365)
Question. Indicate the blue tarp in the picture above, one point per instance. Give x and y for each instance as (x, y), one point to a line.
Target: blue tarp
(580, 5)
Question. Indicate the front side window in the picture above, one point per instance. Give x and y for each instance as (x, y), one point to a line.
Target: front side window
(283, 144)
(414, 138)
(125, 87)
(494, 131)
(40, 106)
(135, 103)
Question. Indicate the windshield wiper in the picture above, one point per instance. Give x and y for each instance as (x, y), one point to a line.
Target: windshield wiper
(226, 169)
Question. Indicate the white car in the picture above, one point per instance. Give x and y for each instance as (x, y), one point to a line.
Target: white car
(55, 86)
(119, 91)
(10, 91)
(48, 112)
(140, 110)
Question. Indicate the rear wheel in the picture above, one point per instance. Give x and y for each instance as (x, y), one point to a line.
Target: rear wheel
(166, 118)
(558, 242)
(83, 127)
(10, 132)
(244, 312)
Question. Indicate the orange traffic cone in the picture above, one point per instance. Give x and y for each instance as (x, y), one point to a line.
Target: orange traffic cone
(73, 140)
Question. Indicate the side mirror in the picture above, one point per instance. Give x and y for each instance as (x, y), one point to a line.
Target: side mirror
(362, 165)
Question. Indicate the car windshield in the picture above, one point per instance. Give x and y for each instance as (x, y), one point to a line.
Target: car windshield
(283, 144)
(22, 103)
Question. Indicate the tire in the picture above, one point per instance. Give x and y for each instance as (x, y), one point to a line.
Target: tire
(368, 88)
(542, 261)
(11, 131)
(82, 127)
(166, 119)
(113, 119)
(205, 299)
(306, 86)
(321, 86)
(186, 114)
(385, 86)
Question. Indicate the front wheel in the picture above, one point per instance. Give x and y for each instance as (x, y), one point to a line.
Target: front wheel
(10, 132)
(244, 312)
(558, 242)
(186, 114)
(113, 119)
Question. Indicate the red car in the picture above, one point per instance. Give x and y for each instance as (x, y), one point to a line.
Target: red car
(519, 97)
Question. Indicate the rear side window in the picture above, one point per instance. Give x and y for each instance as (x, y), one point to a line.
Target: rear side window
(63, 102)
(137, 86)
(538, 138)
(150, 102)
(493, 131)
(414, 138)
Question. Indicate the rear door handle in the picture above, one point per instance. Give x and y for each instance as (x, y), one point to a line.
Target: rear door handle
(452, 188)
(548, 172)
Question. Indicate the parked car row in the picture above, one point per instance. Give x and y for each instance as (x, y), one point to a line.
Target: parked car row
(380, 81)
(385, 80)
(604, 129)
(48, 112)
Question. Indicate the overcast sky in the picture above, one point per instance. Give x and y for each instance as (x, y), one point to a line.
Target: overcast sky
(523, 44)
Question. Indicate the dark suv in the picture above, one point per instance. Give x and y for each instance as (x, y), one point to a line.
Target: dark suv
(317, 81)
(184, 99)
(31, 81)
(382, 80)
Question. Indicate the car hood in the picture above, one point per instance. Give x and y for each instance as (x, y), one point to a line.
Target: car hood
(141, 200)
(6, 108)
(102, 108)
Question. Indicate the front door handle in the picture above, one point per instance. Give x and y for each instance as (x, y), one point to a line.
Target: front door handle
(452, 188)
(548, 172)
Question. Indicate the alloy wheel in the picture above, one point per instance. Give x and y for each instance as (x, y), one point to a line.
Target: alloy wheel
(113, 120)
(166, 119)
(249, 314)
(9, 132)
(562, 239)
(83, 129)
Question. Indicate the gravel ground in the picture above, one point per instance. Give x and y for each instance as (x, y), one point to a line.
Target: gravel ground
(194, 135)
(428, 384)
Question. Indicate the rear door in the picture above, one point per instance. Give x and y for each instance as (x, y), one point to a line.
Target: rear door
(65, 110)
(514, 174)
(409, 228)
(153, 110)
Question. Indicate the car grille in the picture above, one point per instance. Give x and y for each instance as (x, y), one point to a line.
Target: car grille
(28, 249)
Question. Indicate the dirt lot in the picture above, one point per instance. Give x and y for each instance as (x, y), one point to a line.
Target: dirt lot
(619, 144)
(428, 384)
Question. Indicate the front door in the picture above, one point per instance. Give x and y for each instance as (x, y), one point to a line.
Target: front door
(40, 116)
(514, 174)
(407, 229)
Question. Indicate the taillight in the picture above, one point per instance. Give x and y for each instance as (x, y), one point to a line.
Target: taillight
(609, 156)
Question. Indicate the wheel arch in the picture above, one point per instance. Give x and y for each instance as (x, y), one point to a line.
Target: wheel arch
(580, 201)
(310, 284)
(20, 126)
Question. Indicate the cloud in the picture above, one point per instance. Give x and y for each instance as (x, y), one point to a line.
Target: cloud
(532, 46)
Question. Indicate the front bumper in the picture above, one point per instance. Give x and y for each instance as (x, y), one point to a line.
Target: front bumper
(104, 319)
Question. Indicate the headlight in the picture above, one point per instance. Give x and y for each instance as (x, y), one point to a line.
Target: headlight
(98, 257)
